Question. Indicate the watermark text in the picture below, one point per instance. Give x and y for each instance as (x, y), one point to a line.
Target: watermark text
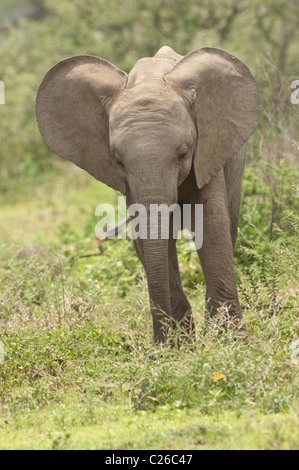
(2, 352)
(2, 92)
(295, 94)
(159, 221)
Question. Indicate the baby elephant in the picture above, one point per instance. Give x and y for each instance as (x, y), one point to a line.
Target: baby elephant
(172, 131)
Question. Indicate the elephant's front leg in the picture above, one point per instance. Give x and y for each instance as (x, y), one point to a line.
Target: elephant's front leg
(180, 306)
(216, 254)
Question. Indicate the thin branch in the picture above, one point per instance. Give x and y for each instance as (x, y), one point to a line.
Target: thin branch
(109, 235)
(113, 231)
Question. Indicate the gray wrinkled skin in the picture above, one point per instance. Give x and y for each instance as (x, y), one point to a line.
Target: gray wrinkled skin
(174, 130)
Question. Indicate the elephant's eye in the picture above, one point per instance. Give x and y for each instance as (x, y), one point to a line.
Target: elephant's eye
(183, 156)
(118, 160)
(120, 163)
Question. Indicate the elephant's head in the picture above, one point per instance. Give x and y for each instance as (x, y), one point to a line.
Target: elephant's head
(144, 132)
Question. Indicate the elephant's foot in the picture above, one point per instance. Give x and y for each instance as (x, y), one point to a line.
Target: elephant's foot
(183, 322)
(224, 317)
(162, 329)
(175, 330)
(229, 307)
(184, 327)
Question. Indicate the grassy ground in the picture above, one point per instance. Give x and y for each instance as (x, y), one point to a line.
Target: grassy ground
(71, 426)
(80, 367)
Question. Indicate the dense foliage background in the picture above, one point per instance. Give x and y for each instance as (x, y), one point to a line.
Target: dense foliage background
(77, 330)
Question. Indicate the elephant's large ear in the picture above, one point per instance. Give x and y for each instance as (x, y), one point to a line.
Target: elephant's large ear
(71, 114)
(225, 98)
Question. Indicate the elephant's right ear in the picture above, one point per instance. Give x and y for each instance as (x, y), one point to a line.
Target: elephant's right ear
(71, 114)
(225, 99)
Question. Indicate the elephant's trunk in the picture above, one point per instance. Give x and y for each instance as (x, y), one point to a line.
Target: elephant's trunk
(155, 248)
(156, 267)
(152, 192)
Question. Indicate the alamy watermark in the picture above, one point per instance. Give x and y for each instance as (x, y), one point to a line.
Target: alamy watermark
(295, 94)
(2, 92)
(2, 352)
(295, 352)
(159, 221)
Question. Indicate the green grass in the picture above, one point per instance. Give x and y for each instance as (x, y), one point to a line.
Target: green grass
(98, 425)
(81, 370)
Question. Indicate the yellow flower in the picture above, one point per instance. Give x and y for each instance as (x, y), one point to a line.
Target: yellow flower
(217, 376)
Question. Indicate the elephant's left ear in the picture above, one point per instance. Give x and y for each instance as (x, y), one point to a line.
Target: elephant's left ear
(225, 98)
(71, 111)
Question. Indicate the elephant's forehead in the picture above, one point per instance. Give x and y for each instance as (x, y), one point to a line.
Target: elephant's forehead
(145, 113)
(150, 69)
(142, 102)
